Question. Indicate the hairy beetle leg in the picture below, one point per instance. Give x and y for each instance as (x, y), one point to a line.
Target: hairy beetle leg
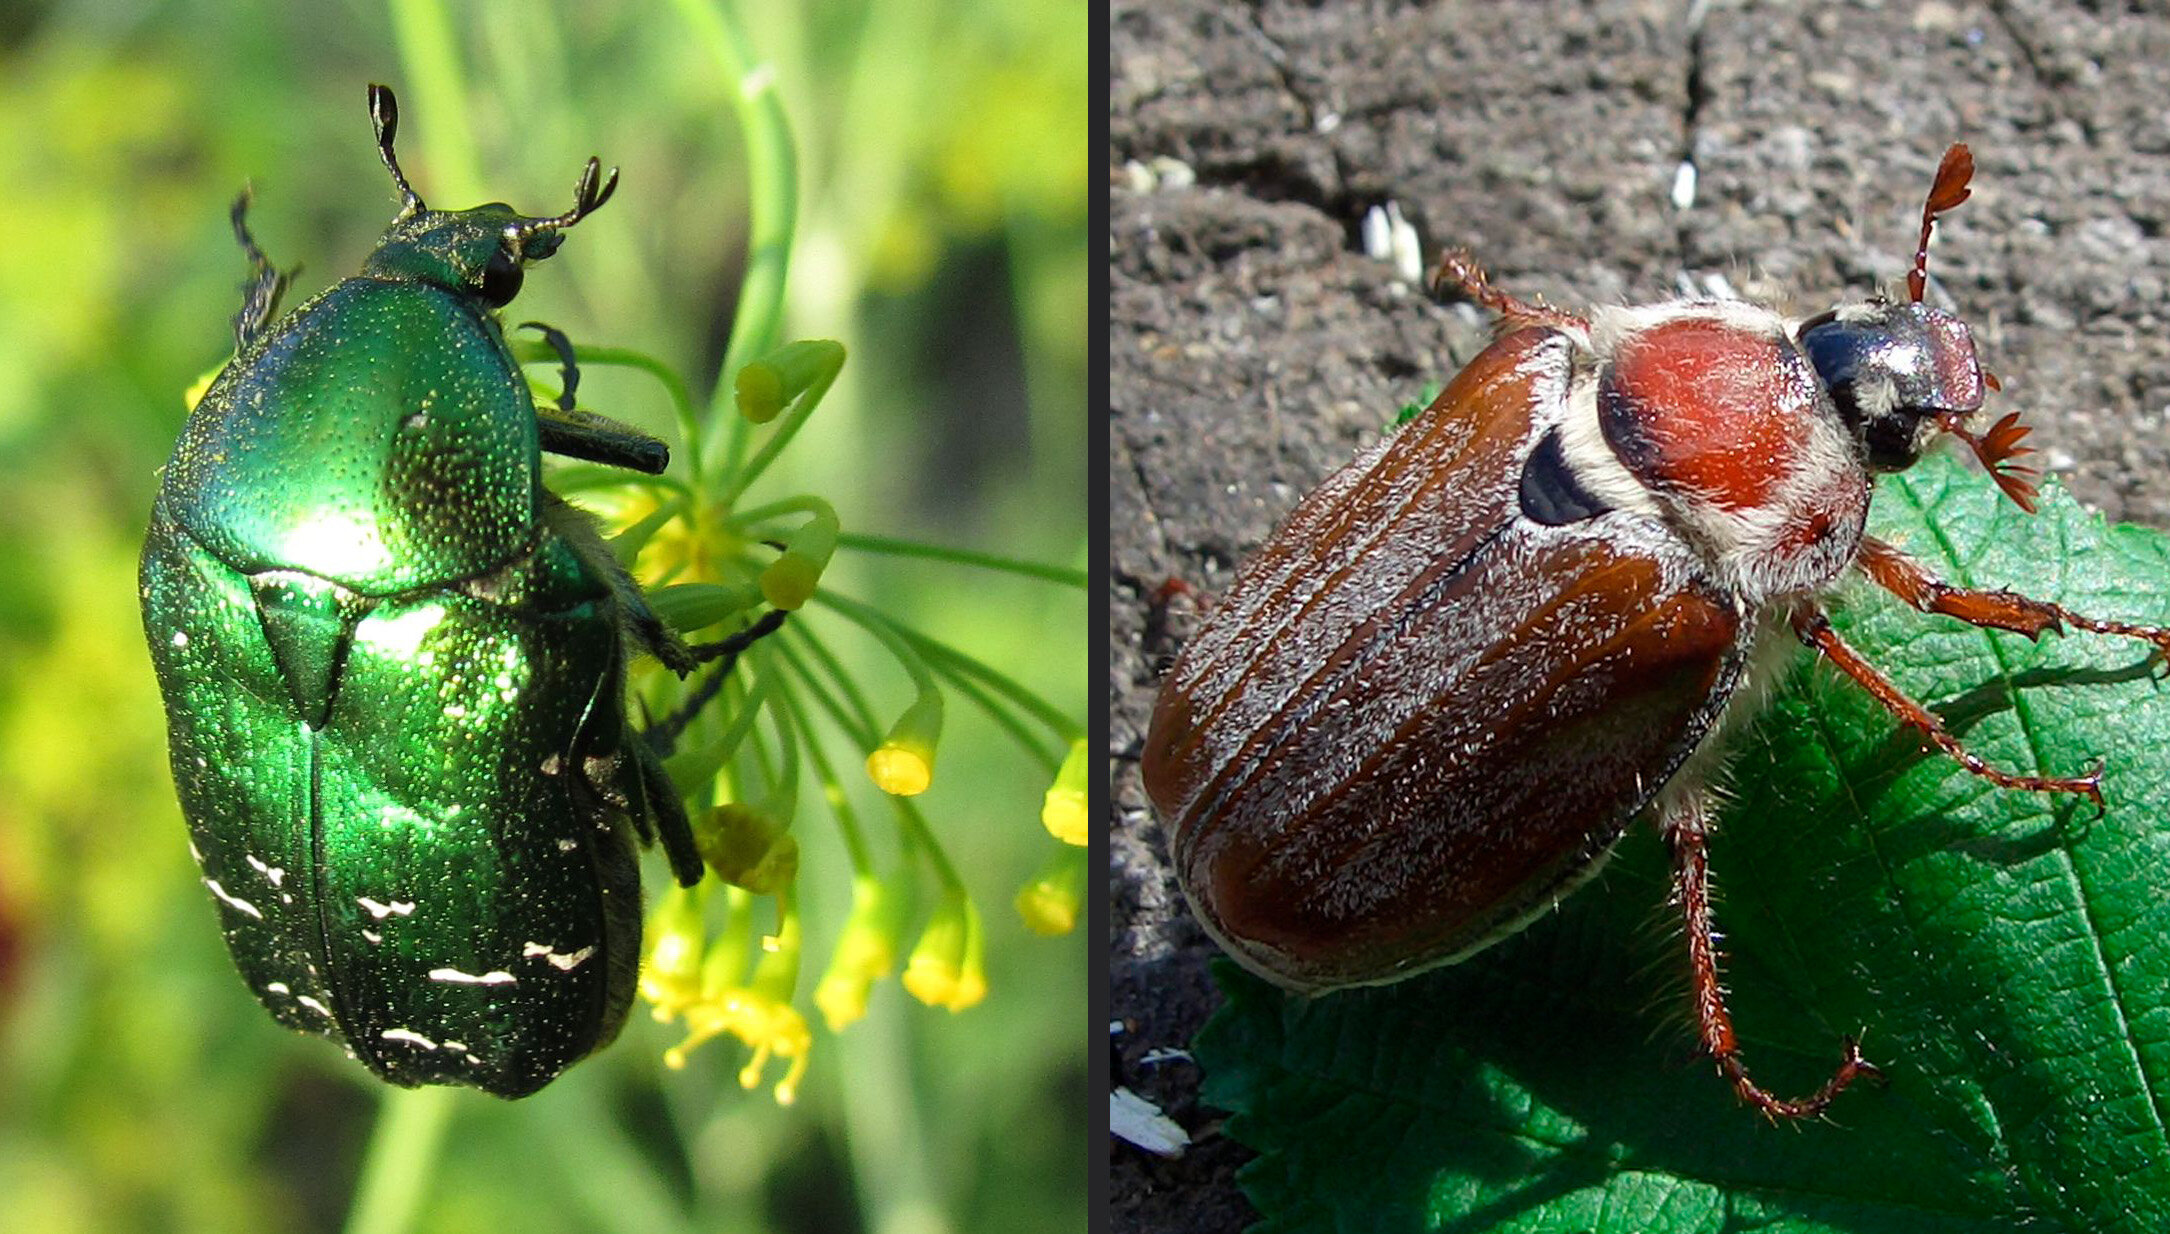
(260, 295)
(1686, 825)
(569, 431)
(663, 734)
(1815, 630)
(1912, 582)
(1459, 270)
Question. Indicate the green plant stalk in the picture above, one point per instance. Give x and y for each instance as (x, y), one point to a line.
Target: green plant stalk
(803, 504)
(790, 739)
(859, 724)
(913, 825)
(402, 1155)
(1004, 718)
(772, 194)
(886, 1130)
(430, 53)
(917, 831)
(933, 650)
(832, 788)
(894, 546)
(718, 752)
(890, 634)
(952, 660)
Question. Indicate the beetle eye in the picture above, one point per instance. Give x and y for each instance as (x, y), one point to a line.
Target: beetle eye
(501, 279)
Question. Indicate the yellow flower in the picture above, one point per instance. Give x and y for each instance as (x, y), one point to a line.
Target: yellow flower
(773, 1028)
(789, 581)
(865, 953)
(793, 371)
(670, 972)
(947, 967)
(747, 848)
(903, 765)
(759, 1012)
(1063, 811)
(1050, 902)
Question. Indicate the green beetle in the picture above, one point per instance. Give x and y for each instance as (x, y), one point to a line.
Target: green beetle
(394, 665)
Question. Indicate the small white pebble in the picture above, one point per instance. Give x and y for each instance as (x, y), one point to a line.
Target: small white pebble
(1684, 185)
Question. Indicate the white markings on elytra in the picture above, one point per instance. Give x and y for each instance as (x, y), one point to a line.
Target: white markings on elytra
(273, 874)
(277, 987)
(314, 1005)
(453, 976)
(231, 901)
(397, 908)
(180, 638)
(408, 1036)
(371, 936)
(563, 963)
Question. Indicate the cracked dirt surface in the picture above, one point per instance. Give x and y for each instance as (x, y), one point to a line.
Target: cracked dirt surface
(1253, 347)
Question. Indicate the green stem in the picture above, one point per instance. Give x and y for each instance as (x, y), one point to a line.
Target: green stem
(857, 721)
(963, 556)
(860, 725)
(803, 504)
(956, 663)
(915, 826)
(402, 1154)
(438, 89)
(892, 636)
(832, 788)
(929, 650)
(772, 194)
(1004, 718)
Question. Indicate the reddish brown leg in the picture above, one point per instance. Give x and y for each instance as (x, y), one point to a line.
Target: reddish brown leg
(1459, 270)
(1815, 630)
(1687, 830)
(1912, 582)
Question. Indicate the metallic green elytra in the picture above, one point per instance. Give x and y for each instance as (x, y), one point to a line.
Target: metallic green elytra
(394, 665)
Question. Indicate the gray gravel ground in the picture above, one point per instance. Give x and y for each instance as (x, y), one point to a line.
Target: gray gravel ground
(1253, 347)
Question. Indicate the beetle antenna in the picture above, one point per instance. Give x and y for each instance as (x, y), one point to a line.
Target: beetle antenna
(1945, 193)
(589, 195)
(1996, 449)
(384, 113)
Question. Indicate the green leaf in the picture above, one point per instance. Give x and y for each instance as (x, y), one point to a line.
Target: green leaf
(2005, 955)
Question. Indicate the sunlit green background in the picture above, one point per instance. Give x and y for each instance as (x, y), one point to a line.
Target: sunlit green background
(941, 237)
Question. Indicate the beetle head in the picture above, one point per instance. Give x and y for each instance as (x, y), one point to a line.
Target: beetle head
(482, 251)
(1898, 373)
(1902, 372)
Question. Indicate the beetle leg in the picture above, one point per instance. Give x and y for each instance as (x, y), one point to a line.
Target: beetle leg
(1815, 630)
(260, 295)
(664, 734)
(574, 433)
(1912, 582)
(1686, 825)
(1460, 271)
(570, 369)
(668, 811)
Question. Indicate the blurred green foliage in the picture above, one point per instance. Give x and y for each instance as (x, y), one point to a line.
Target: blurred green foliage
(941, 236)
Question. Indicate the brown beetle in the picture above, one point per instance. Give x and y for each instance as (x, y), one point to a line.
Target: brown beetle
(1432, 701)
